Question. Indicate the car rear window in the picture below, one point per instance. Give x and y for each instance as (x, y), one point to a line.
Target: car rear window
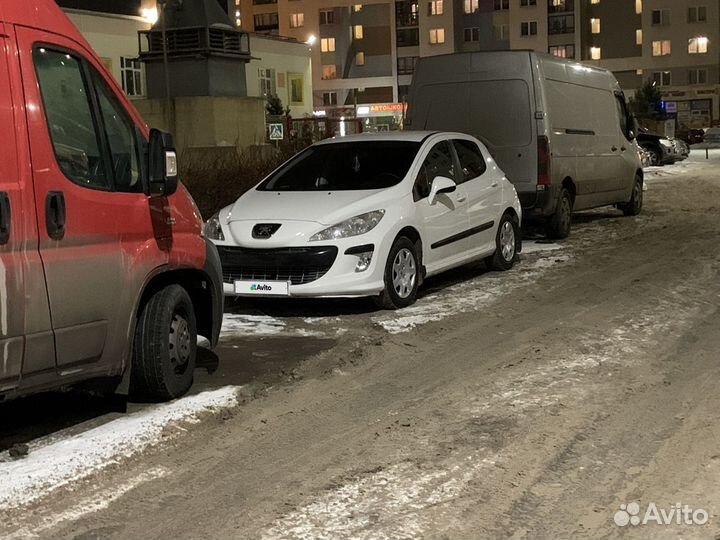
(345, 166)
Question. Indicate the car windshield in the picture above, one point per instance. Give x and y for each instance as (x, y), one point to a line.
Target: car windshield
(345, 166)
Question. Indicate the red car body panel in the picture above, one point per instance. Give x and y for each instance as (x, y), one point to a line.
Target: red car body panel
(71, 303)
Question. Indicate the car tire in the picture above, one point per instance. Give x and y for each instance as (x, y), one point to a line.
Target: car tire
(402, 275)
(165, 347)
(558, 226)
(634, 206)
(507, 240)
(656, 157)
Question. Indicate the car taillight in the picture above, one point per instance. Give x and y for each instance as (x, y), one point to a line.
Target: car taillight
(543, 157)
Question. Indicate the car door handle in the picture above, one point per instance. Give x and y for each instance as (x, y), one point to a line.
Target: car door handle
(461, 198)
(55, 214)
(5, 218)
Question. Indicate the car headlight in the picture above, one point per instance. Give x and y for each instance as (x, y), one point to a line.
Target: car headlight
(667, 143)
(212, 228)
(354, 226)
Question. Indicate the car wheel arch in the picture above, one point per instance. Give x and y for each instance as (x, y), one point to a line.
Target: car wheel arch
(412, 234)
(198, 286)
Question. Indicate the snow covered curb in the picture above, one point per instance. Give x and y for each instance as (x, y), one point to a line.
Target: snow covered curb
(53, 464)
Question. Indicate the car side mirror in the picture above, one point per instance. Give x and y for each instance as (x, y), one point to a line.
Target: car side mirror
(162, 164)
(441, 184)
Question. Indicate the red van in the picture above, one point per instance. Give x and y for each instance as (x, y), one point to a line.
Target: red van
(104, 272)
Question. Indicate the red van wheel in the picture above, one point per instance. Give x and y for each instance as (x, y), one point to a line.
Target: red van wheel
(165, 346)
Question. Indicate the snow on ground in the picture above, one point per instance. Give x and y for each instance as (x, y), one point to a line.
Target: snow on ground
(467, 296)
(694, 162)
(243, 325)
(94, 503)
(57, 462)
(389, 504)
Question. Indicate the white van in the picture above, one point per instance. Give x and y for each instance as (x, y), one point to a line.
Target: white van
(560, 130)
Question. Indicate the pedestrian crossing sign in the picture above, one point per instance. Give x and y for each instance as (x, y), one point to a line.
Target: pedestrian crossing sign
(276, 132)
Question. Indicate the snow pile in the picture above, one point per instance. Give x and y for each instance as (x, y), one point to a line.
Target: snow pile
(466, 297)
(53, 464)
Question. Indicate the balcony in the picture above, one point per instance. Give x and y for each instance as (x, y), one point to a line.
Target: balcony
(561, 6)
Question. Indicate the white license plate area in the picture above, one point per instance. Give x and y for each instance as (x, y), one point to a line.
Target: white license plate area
(262, 288)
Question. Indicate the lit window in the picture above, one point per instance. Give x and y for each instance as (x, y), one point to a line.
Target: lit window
(360, 58)
(327, 44)
(638, 7)
(471, 6)
(437, 36)
(357, 8)
(297, 20)
(435, 7)
(595, 26)
(595, 53)
(358, 31)
(329, 72)
(661, 48)
(698, 45)
(638, 36)
(594, 1)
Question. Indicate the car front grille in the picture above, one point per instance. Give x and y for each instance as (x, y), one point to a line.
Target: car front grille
(298, 265)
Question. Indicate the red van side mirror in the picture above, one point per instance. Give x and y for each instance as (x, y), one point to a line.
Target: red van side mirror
(162, 164)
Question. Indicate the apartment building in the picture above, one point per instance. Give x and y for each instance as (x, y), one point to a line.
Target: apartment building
(673, 43)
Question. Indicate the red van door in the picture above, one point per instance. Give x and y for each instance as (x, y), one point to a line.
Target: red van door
(96, 232)
(25, 328)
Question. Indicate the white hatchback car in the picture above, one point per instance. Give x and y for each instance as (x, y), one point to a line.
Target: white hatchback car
(369, 215)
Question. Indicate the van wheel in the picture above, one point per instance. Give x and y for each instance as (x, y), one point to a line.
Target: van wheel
(558, 226)
(507, 239)
(402, 276)
(164, 351)
(634, 206)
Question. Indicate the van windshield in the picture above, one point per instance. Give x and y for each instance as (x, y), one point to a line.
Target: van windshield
(345, 166)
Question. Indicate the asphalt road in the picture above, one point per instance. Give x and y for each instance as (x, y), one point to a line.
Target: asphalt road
(528, 404)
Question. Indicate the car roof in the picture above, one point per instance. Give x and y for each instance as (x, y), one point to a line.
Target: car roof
(408, 136)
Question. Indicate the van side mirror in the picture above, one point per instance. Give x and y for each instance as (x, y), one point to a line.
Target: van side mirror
(162, 164)
(441, 184)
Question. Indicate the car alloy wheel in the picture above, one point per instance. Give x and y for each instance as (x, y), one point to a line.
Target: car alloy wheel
(507, 241)
(404, 273)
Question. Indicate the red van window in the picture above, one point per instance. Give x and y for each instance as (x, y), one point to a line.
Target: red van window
(68, 109)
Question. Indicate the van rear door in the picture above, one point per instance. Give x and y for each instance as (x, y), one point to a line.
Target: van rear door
(489, 95)
(25, 330)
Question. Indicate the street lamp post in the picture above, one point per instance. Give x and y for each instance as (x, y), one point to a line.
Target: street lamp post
(162, 6)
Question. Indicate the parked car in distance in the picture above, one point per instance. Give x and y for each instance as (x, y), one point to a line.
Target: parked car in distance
(682, 150)
(369, 215)
(104, 273)
(691, 136)
(661, 149)
(712, 137)
(560, 130)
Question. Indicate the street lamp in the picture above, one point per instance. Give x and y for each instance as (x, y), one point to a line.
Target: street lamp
(162, 5)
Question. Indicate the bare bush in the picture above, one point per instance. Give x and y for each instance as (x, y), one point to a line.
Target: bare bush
(217, 176)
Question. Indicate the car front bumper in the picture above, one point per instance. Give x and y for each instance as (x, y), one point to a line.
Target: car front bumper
(329, 269)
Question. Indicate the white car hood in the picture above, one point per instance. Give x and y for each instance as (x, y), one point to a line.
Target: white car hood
(323, 207)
